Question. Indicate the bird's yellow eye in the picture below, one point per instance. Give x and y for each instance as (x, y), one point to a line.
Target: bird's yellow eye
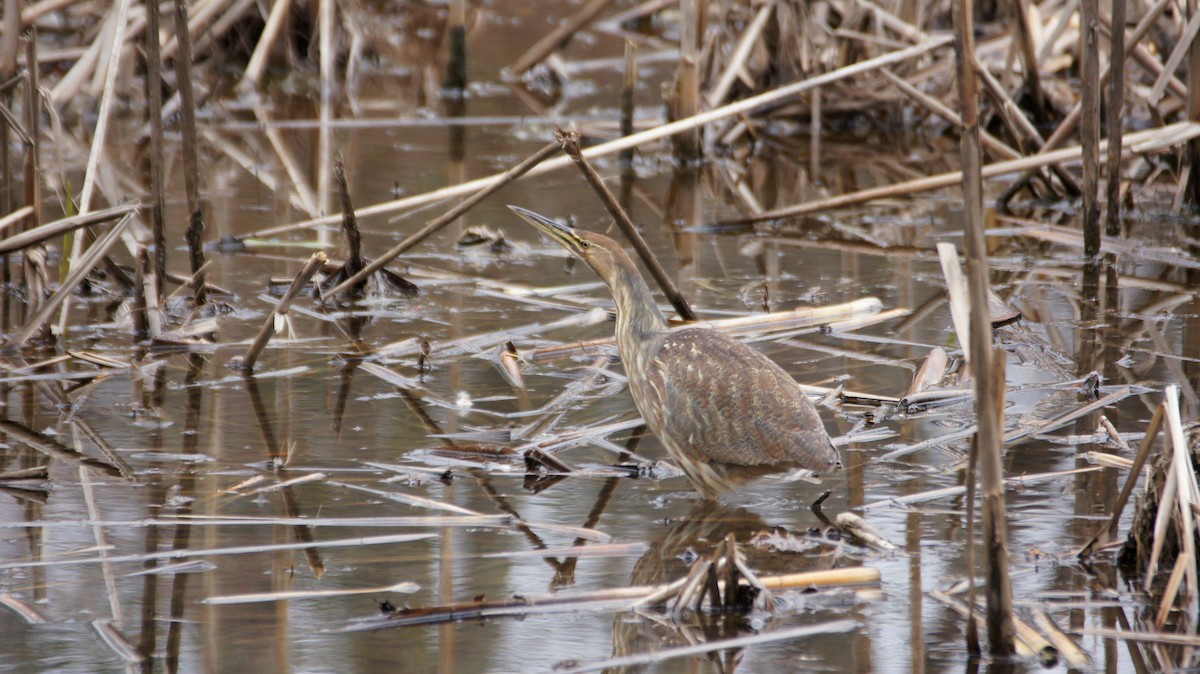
(585, 244)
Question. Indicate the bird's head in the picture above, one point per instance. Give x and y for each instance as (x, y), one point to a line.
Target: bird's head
(600, 253)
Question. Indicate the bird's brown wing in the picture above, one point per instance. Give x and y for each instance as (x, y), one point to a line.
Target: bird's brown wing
(721, 400)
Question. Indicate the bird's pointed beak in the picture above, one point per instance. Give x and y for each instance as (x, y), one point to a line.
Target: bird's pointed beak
(561, 233)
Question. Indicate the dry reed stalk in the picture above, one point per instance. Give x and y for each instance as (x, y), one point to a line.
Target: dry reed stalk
(80, 268)
(997, 146)
(258, 60)
(154, 85)
(558, 38)
(1089, 125)
(456, 65)
(27, 612)
(33, 122)
(310, 268)
(971, 611)
(453, 214)
(295, 174)
(250, 163)
(17, 217)
(119, 19)
(1193, 153)
(737, 60)
(989, 388)
(771, 98)
(55, 449)
(958, 290)
(138, 310)
(1076, 657)
(326, 27)
(1187, 493)
(9, 39)
(683, 99)
(570, 145)
(59, 227)
(191, 162)
(1116, 117)
(629, 88)
(150, 290)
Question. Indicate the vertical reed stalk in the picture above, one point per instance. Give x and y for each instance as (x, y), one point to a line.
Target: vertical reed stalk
(1193, 114)
(1089, 124)
(684, 101)
(154, 90)
(1116, 110)
(33, 124)
(456, 66)
(987, 389)
(191, 163)
(629, 88)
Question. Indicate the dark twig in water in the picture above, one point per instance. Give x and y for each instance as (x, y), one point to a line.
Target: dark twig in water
(354, 259)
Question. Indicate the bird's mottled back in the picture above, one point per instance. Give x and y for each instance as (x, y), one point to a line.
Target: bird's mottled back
(717, 399)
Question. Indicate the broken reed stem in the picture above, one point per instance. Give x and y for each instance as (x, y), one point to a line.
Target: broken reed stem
(354, 258)
(80, 268)
(446, 218)
(987, 389)
(1116, 117)
(1089, 127)
(558, 37)
(191, 162)
(267, 330)
(157, 194)
(570, 145)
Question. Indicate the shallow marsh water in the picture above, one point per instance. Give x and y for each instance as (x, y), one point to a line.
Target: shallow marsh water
(188, 428)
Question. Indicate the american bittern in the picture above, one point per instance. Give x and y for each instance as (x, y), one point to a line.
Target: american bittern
(722, 409)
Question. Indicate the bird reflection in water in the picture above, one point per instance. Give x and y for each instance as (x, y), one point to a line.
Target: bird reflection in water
(696, 535)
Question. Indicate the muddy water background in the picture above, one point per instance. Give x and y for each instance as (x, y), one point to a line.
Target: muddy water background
(189, 428)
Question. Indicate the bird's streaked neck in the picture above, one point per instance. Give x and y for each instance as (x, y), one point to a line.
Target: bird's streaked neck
(638, 317)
